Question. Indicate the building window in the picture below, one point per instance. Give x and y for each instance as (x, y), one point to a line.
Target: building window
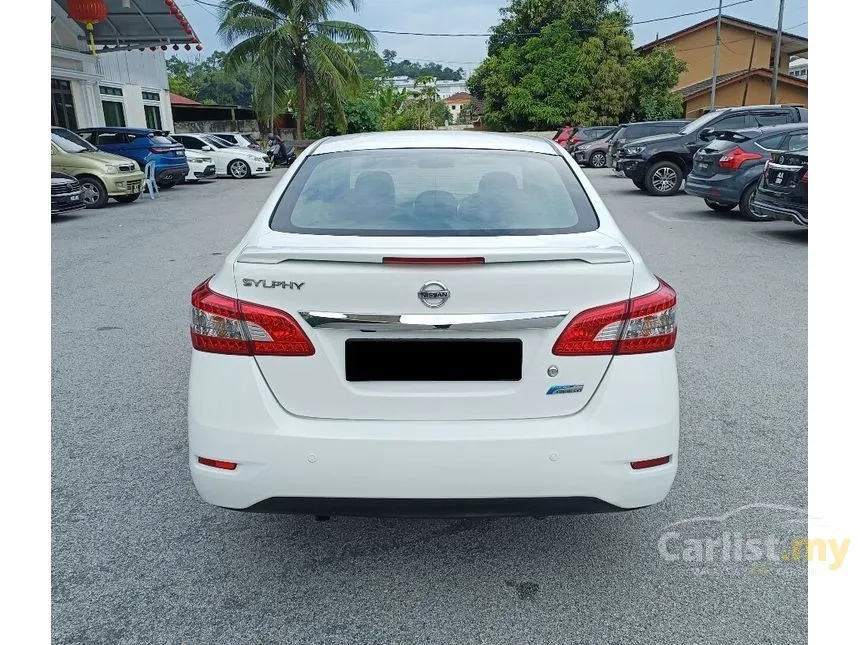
(150, 96)
(114, 114)
(110, 91)
(153, 117)
(62, 105)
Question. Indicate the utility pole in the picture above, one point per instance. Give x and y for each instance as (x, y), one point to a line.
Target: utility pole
(716, 57)
(272, 115)
(777, 54)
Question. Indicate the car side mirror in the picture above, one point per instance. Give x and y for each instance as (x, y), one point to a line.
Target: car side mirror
(206, 148)
(707, 134)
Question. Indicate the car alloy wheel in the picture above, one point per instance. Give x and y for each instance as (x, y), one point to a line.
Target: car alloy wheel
(239, 169)
(663, 179)
(598, 160)
(746, 206)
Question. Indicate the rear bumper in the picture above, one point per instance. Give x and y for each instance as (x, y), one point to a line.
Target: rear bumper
(171, 173)
(530, 466)
(718, 189)
(779, 211)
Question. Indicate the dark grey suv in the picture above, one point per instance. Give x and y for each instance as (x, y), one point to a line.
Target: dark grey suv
(631, 131)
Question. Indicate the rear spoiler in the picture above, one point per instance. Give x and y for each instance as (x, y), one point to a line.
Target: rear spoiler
(730, 135)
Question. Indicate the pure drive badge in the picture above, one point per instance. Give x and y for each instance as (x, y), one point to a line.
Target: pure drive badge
(564, 389)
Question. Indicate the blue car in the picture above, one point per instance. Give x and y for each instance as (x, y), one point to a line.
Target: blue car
(143, 145)
(727, 170)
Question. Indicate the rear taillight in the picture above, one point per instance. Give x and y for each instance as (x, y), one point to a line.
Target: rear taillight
(159, 149)
(736, 157)
(804, 178)
(638, 326)
(223, 325)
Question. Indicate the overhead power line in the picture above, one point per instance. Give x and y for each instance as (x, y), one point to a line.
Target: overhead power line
(392, 32)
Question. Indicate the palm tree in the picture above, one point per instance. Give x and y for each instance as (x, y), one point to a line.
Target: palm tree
(298, 45)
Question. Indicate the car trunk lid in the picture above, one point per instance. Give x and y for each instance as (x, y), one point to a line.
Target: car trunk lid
(405, 329)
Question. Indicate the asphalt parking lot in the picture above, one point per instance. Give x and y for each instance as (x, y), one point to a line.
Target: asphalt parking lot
(139, 558)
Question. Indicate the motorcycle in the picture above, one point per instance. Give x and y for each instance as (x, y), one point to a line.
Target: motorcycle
(280, 155)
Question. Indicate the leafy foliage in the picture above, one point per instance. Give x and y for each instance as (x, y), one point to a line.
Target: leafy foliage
(414, 70)
(580, 69)
(206, 80)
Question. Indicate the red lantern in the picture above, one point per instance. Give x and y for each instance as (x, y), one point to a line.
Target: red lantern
(152, 48)
(183, 22)
(200, 48)
(188, 48)
(188, 31)
(89, 12)
(164, 48)
(176, 48)
(169, 3)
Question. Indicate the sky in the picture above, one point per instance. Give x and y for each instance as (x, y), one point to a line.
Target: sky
(477, 16)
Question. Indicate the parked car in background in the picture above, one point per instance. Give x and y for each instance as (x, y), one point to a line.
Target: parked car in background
(659, 164)
(728, 169)
(783, 190)
(564, 134)
(629, 131)
(144, 146)
(230, 160)
(594, 152)
(588, 134)
(65, 194)
(101, 174)
(200, 166)
(239, 139)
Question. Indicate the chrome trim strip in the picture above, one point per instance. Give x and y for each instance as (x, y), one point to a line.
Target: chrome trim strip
(433, 322)
(783, 167)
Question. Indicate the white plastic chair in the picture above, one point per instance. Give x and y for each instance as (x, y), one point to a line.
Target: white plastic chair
(149, 171)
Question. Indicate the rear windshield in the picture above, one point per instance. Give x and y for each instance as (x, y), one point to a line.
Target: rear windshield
(434, 192)
(160, 140)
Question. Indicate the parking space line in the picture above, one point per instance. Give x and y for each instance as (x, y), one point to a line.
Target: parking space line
(671, 219)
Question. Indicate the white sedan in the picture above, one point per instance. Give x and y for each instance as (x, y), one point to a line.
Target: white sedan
(231, 161)
(200, 166)
(433, 324)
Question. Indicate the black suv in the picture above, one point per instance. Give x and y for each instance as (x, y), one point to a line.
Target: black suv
(659, 164)
(783, 190)
(637, 130)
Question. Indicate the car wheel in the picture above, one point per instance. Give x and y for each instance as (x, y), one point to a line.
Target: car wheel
(93, 192)
(663, 179)
(640, 185)
(746, 209)
(720, 207)
(127, 199)
(597, 160)
(238, 169)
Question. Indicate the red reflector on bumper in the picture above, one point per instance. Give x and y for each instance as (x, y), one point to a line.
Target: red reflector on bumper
(650, 463)
(217, 463)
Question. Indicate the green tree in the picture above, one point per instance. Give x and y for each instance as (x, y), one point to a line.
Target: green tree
(655, 75)
(569, 61)
(300, 45)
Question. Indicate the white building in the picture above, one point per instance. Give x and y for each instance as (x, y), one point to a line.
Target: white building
(123, 86)
(445, 89)
(799, 68)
